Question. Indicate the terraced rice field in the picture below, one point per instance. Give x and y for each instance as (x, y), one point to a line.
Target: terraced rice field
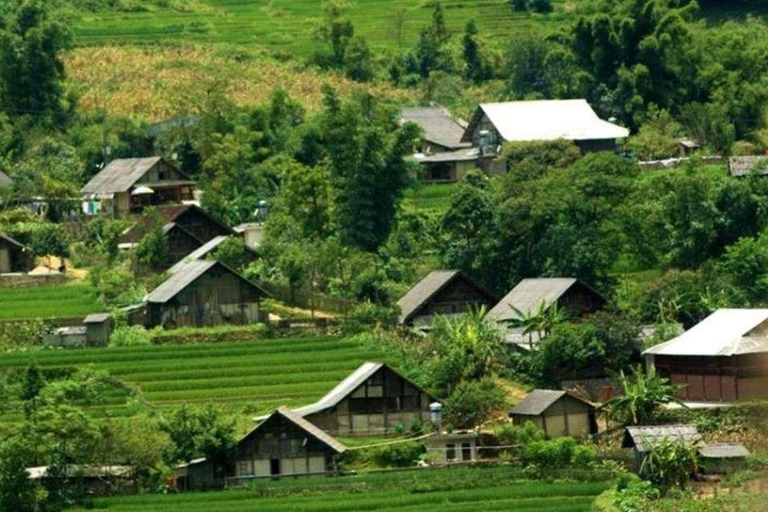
(260, 374)
(287, 25)
(71, 300)
(431, 199)
(460, 489)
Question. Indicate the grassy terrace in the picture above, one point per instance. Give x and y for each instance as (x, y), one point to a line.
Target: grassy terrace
(431, 199)
(287, 25)
(260, 374)
(71, 300)
(470, 489)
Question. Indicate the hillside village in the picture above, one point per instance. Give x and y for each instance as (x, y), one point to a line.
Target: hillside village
(513, 258)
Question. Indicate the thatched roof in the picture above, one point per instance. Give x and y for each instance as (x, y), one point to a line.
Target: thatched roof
(439, 126)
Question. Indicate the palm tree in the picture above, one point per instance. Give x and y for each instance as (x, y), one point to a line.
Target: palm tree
(642, 395)
(540, 321)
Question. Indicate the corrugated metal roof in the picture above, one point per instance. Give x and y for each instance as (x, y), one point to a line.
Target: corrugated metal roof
(5, 180)
(645, 437)
(529, 295)
(120, 175)
(439, 126)
(549, 120)
(11, 241)
(199, 253)
(319, 434)
(723, 451)
(86, 470)
(96, 318)
(745, 165)
(726, 332)
(539, 400)
(342, 390)
(183, 277)
(460, 155)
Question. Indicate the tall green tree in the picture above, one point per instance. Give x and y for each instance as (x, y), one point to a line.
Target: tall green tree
(368, 170)
(31, 69)
(18, 492)
(476, 68)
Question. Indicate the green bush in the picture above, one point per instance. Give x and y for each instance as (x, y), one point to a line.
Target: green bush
(670, 464)
(401, 455)
(129, 336)
(560, 452)
(373, 314)
(632, 494)
(472, 403)
(218, 334)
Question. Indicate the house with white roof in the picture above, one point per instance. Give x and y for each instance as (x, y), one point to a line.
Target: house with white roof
(541, 120)
(724, 358)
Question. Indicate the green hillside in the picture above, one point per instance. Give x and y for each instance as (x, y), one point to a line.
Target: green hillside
(286, 25)
(260, 374)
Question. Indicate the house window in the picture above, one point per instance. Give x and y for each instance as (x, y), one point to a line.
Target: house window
(450, 452)
(245, 468)
(466, 451)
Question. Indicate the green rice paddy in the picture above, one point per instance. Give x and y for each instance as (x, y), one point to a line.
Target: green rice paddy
(287, 25)
(457, 489)
(259, 374)
(71, 300)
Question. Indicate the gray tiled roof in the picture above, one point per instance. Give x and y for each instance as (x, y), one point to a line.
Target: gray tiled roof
(180, 279)
(539, 400)
(439, 126)
(120, 175)
(644, 438)
(96, 318)
(185, 275)
(200, 253)
(459, 155)
(342, 390)
(424, 290)
(4, 179)
(529, 295)
(723, 451)
(744, 165)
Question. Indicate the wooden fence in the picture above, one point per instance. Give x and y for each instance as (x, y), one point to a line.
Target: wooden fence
(308, 299)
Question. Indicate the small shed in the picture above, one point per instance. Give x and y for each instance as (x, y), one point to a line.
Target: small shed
(740, 166)
(723, 458)
(251, 232)
(688, 147)
(98, 327)
(204, 293)
(454, 447)
(642, 439)
(442, 292)
(14, 256)
(557, 413)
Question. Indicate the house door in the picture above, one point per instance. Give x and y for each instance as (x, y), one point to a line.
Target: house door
(274, 467)
(5, 261)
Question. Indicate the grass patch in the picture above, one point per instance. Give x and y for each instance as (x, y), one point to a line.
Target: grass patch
(433, 199)
(63, 301)
(475, 488)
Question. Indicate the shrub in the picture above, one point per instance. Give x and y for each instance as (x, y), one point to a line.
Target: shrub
(670, 464)
(129, 336)
(632, 494)
(472, 403)
(401, 455)
(373, 314)
(560, 452)
(542, 6)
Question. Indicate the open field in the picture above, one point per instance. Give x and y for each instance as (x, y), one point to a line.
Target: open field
(287, 26)
(71, 300)
(431, 199)
(470, 489)
(260, 374)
